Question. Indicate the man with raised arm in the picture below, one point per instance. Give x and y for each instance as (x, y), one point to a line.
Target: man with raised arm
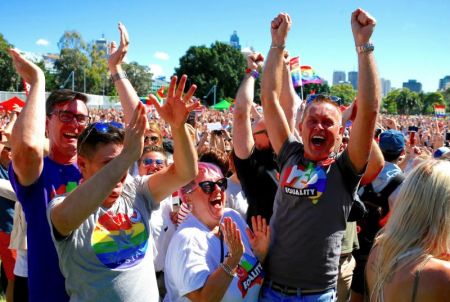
(101, 230)
(37, 179)
(317, 186)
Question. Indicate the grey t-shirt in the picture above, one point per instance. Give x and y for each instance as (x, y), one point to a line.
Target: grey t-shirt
(109, 258)
(310, 212)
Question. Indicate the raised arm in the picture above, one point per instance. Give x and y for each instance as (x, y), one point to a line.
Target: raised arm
(127, 95)
(289, 100)
(184, 168)
(28, 134)
(368, 92)
(242, 130)
(86, 198)
(276, 122)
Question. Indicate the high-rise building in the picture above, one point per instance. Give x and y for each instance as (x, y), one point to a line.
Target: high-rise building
(385, 86)
(338, 77)
(102, 45)
(353, 79)
(444, 82)
(413, 85)
(234, 40)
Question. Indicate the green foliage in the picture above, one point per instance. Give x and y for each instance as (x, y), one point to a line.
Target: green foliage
(9, 79)
(314, 88)
(430, 99)
(404, 101)
(71, 40)
(344, 91)
(140, 77)
(446, 95)
(50, 78)
(220, 65)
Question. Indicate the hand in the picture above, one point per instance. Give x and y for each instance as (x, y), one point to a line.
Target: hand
(29, 71)
(280, 27)
(177, 107)
(255, 61)
(117, 54)
(260, 237)
(134, 133)
(362, 26)
(232, 238)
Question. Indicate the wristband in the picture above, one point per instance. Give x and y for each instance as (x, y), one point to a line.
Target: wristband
(252, 72)
(119, 75)
(227, 269)
(367, 47)
(282, 46)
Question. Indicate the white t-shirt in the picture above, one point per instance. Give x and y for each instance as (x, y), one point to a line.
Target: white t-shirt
(236, 199)
(194, 253)
(162, 230)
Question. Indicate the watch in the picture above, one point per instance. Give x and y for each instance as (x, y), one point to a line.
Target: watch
(119, 75)
(367, 47)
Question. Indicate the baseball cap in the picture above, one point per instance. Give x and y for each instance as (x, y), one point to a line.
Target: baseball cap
(392, 141)
(440, 152)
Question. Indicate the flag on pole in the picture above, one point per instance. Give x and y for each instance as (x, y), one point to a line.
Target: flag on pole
(309, 76)
(161, 93)
(439, 110)
(295, 71)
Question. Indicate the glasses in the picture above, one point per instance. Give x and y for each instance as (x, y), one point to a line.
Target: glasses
(208, 186)
(7, 149)
(154, 139)
(319, 97)
(101, 128)
(149, 161)
(68, 116)
(264, 131)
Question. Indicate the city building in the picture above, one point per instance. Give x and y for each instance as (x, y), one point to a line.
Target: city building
(353, 79)
(234, 41)
(413, 85)
(338, 77)
(102, 45)
(444, 82)
(385, 87)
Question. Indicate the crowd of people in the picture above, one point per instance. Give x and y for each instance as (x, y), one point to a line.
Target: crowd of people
(291, 200)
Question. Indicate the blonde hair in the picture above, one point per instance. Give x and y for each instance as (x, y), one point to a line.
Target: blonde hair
(419, 225)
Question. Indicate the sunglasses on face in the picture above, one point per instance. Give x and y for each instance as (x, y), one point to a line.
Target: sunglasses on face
(68, 116)
(101, 128)
(208, 186)
(149, 161)
(319, 97)
(154, 139)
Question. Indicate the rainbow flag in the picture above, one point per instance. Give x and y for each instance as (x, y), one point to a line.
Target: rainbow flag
(309, 76)
(295, 71)
(439, 110)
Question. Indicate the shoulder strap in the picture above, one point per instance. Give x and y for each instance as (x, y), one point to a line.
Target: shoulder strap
(417, 278)
(393, 184)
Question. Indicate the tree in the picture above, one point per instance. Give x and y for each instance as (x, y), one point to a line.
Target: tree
(71, 40)
(313, 89)
(430, 99)
(97, 73)
(9, 79)
(50, 78)
(220, 65)
(406, 102)
(446, 94)
(344, 91)
(140, 77)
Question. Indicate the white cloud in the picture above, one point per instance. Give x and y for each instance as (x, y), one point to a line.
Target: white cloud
(42, 42)
(156, 69)
(160, 55)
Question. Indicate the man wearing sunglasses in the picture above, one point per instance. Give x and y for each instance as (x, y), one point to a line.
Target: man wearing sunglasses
(316, 186)
(101, 230)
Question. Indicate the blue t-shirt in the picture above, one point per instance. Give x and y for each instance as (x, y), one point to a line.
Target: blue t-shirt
(45, 280)
(6, 207)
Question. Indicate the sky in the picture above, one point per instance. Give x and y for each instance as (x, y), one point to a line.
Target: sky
(412, 38)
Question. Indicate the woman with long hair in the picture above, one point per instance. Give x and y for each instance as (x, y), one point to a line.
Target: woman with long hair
(410, 259)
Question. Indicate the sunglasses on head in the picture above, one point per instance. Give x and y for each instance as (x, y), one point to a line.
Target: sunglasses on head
(319, 97)
(154, 139)
(101, 128)
(149, 161)
(208, 186)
